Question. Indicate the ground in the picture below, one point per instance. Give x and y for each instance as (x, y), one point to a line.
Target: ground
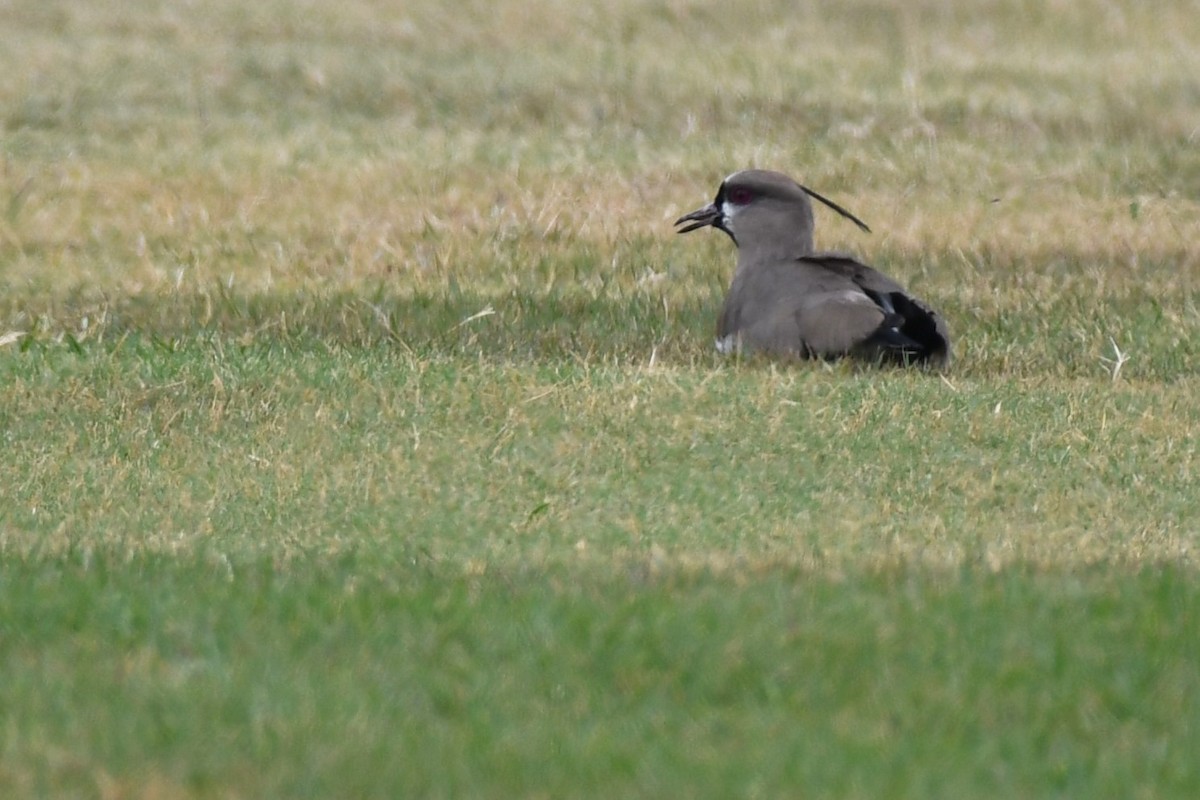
(364, 434)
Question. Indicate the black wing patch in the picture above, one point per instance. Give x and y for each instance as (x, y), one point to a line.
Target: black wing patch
(909, 331)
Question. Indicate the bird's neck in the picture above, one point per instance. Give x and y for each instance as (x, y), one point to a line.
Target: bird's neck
(754, 254)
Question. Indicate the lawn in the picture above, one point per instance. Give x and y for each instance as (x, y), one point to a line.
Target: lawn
(363, 433)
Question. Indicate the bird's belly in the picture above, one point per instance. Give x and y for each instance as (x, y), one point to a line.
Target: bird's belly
(727, 345)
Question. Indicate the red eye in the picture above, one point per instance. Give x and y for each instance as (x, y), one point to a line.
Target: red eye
(740, 197)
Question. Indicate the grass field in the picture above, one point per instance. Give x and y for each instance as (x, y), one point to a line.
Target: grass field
(363, 433)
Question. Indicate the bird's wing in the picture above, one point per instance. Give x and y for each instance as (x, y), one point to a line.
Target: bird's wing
(803, 309)
(833, 323)
(912, 326)
(851, 268)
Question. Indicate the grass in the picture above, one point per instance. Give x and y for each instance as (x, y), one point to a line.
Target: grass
(363, 434)
(321, 680)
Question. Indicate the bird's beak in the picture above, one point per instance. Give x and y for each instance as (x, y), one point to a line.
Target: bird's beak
(710, 215)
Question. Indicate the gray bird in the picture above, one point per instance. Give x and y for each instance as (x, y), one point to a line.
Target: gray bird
(788, 300)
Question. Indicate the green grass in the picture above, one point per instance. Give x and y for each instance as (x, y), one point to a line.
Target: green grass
(363, 434)
(363, 678)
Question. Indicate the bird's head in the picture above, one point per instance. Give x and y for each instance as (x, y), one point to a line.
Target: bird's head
(762, 209)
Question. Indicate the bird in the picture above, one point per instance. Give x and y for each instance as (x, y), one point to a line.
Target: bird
(786, 299)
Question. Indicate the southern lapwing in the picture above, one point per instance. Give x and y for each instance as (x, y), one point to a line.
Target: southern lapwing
(788, 300)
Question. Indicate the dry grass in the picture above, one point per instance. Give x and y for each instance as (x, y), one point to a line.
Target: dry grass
(293, 146)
